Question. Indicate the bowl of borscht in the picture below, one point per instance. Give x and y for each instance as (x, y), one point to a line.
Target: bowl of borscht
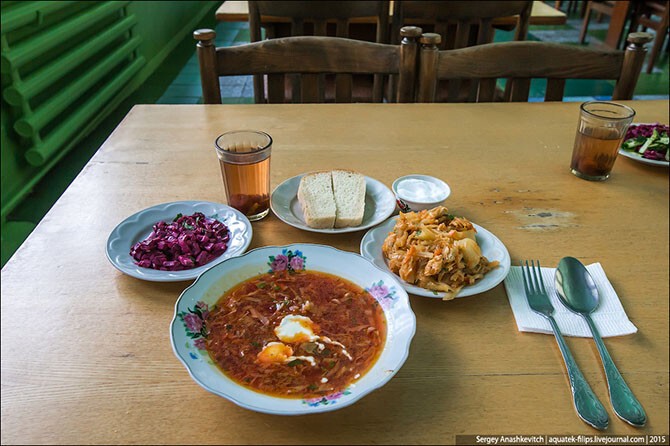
(292, 330)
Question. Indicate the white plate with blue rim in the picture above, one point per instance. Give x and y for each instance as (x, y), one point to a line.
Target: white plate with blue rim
(492, 248)
(189, 329)
(138, 226)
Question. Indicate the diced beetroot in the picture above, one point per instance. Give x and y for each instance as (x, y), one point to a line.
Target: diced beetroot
(653, 155)
(219, 247)
(203, 257)
(645, 130)
(187, 242)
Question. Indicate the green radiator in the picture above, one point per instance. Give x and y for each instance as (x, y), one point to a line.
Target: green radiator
(64, 64)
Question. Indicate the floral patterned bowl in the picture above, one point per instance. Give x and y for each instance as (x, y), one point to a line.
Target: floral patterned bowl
(188, 330)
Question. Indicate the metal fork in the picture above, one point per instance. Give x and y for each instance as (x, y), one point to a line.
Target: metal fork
(588, 406)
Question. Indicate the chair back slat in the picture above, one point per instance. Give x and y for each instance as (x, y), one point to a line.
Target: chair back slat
(342, 28)
(448, 32)
(343, 87)
(485, 31)
(462, 35)
(520, 89)
(555, 90)
(472, 87)
(276, 88)
(320, 28)
(297, 26)
(453, 89)
(309, 92)
(487, 89)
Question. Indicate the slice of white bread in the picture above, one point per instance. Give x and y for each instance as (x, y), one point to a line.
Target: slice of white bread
(315, 194)
(333, 198)
(349, 191)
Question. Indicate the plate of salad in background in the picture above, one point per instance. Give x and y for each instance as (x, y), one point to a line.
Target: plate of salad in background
(647, 143)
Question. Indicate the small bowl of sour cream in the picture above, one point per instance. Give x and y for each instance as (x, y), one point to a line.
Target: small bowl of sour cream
(418, 192)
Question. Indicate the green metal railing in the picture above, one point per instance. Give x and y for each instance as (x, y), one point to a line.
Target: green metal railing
(30, 13)
(89, 55)
(45, 76)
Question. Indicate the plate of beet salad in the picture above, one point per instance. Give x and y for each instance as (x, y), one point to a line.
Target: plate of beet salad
(647, 144)
(177, 241)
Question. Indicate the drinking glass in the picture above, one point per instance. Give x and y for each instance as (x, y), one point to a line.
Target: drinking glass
(244, 158)
(600, 132)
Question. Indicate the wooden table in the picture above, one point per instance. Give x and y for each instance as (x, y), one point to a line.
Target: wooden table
(86, 356)
(541, 14)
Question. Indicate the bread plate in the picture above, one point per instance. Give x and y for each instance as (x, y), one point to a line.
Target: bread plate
(379, 205)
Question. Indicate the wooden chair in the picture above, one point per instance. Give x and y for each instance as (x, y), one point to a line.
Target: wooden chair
(309, 56)
(462, 24)
(654, 15)
(314, 18)
(519, 62)
(619, 13)
(572, 6)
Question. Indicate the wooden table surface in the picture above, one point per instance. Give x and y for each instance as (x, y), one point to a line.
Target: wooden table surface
(541, 14)
(86, 356)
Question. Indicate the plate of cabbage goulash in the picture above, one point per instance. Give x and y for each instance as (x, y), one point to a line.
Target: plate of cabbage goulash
(437, 254)
(332, 201)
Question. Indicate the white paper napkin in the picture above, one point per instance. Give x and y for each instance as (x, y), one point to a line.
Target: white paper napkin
(610, 317)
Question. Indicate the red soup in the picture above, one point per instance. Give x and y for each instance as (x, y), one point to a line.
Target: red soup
(297, 335)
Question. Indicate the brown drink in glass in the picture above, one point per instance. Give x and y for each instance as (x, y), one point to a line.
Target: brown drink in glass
(244, 157)
(601, 129)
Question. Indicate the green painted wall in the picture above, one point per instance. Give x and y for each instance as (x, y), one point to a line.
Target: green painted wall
(162, 25)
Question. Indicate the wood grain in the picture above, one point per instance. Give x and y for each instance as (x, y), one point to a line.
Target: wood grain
(86, 356)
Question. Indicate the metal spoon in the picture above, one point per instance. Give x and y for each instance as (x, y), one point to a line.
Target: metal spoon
(577, 291)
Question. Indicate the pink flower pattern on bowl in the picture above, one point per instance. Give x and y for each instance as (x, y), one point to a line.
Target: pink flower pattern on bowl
(326, 400)
(404, 207)
(382, 293)
(287, 260)
(194, 321)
